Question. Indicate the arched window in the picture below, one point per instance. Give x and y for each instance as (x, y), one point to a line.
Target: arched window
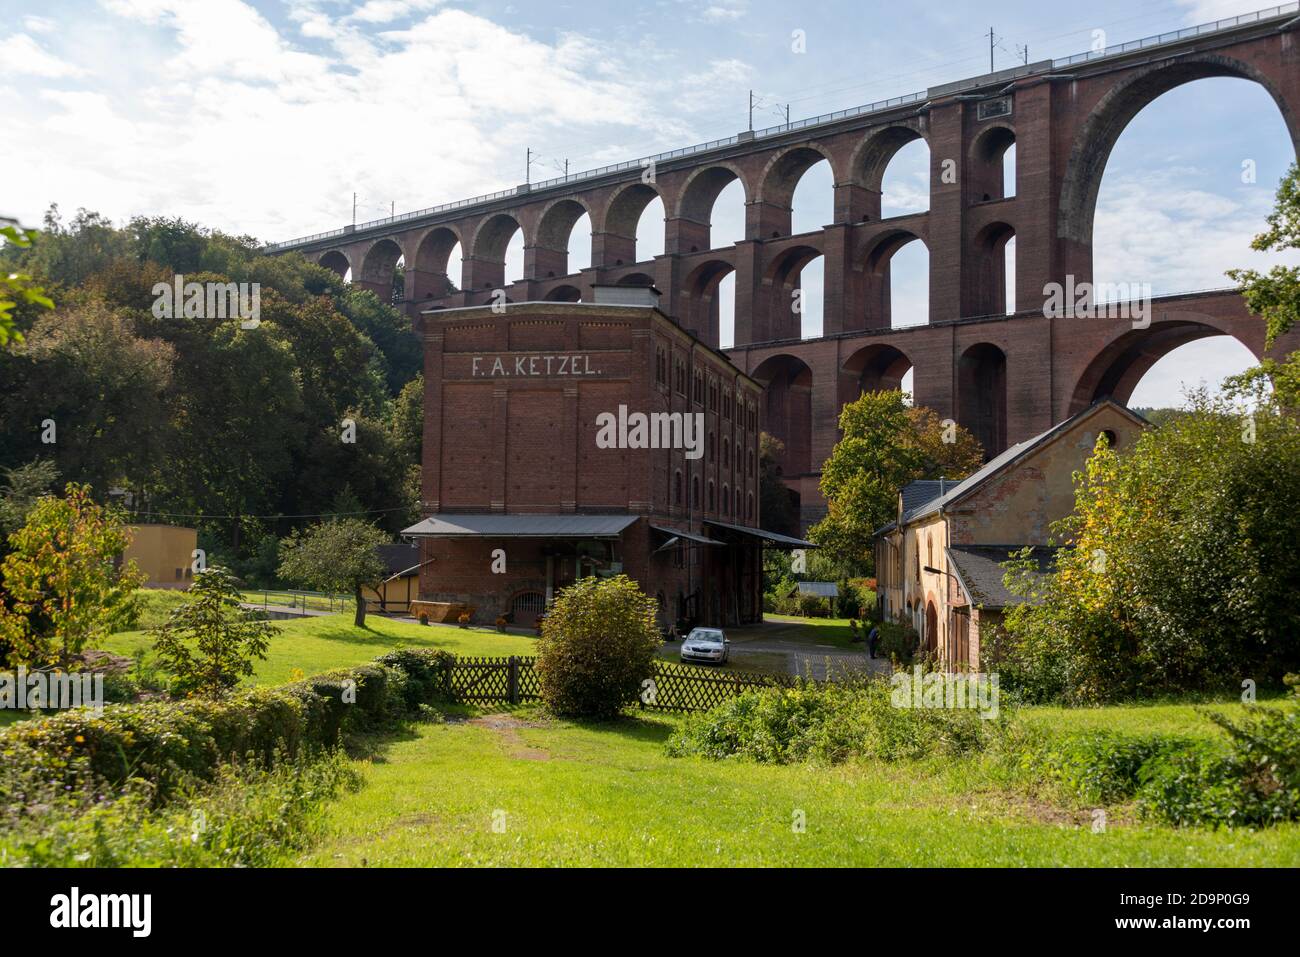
(726, 454)
(695, 492)
(677, 488)
(749, 505)
(713, 502)
(726, 500)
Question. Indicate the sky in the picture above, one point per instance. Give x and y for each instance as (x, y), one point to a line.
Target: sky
(264, 117)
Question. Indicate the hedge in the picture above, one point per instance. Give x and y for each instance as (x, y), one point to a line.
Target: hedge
(168, 742)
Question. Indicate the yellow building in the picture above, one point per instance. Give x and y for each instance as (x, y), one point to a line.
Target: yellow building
(165, 553)
(939, 565)
(401, 584)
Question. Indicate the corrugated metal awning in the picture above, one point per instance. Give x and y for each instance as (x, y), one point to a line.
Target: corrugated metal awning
(520, 526)
(818, 589)
(784, 541)
(689, 536)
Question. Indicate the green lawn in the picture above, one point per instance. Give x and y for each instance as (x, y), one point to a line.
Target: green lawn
(324, 643)
(810, 631)
(571, 794)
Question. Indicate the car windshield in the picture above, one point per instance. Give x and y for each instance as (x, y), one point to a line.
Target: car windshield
(698, 635)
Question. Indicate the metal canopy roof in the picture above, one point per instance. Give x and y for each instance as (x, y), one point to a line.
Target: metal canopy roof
(773, 537)
(520, 526)
(689, 536)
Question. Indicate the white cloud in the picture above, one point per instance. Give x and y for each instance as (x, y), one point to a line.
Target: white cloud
(20, 54)
(1206, 11)
(35, 24)
(723, 11)
(209, 112)
(386, 11)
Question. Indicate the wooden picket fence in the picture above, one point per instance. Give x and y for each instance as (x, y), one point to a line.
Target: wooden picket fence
(672, 687)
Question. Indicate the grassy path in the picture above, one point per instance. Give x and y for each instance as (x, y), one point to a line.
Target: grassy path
(568, 794)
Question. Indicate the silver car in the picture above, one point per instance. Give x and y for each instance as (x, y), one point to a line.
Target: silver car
(707, 645)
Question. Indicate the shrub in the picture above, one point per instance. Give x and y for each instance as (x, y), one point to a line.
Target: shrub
(1256, 783)
(1104, 767)
(597, 646)
(897, 642)
(165, 744)
(247, 817)
(829, 723)
(209, 643)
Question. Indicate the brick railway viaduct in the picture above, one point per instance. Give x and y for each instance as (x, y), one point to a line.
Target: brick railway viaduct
(1006, 377)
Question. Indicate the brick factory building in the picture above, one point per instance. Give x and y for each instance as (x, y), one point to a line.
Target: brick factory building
(568, 439)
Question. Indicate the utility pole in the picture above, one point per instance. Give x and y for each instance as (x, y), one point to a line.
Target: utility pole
(528, 167)
(787, 116)
(354, 209)
(751, 111)
(392, 210)
(991, 38)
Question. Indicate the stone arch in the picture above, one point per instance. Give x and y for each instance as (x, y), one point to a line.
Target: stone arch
(492, 236)
(984, 165)
(1118, 366)
(1098, 134)
(700, 192)
(871, 157)
(564, 293)
(990, 292)
(377, 267)
(782, 276)
(876, 256)
(636, 279)
(787, 410)
(554, 234)
(982, 395)
(779, 179)
(698, 302)
(427, 276)
(619, 223)
(875, 368)
(487, 251)
(336, 261)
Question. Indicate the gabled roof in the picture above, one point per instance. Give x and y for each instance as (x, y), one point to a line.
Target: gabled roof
(1012, 456)
(980, 574)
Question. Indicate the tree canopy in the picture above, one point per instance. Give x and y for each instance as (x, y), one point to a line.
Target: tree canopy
(885, 444)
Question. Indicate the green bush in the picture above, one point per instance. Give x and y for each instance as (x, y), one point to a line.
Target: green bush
(247, 817)
(597, 646)
(829, 723)
(1254, 784)
(1105, 767)
(897, 642)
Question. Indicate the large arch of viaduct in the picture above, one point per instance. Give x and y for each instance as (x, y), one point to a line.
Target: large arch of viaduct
(1006, 377)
